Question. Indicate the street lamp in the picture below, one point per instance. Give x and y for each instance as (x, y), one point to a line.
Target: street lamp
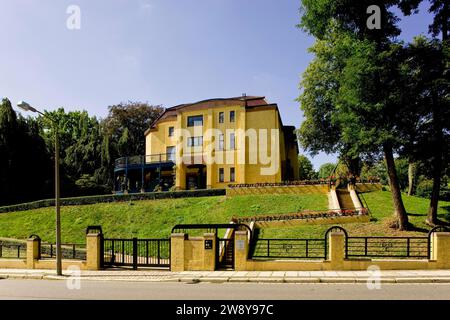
(26, 107)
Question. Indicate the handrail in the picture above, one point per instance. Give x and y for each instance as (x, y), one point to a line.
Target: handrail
(211, 226)
(143, 159)
(364, 203)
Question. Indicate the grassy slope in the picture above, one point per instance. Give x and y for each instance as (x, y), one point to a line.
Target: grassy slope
(380, 204)
(150, 218)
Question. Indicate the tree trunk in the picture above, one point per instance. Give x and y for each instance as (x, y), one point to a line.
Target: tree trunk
(434, 201)
(437, 164)
(399, 208)
(411, 178)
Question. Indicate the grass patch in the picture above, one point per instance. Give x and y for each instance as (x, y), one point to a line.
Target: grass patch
(380, 204)
(149, 218)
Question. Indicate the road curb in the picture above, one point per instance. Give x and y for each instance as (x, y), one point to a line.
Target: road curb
(198, 279)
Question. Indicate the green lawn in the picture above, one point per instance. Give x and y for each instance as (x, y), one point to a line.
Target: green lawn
(380, 204)
(149, 218)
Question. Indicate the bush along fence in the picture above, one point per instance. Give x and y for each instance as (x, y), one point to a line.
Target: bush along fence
(113, 198)
(279, 184)
(309, 214)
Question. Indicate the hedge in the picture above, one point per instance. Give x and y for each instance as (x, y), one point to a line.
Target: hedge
(113, 198)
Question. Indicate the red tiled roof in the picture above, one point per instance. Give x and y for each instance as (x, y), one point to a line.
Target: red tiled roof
(251, 101)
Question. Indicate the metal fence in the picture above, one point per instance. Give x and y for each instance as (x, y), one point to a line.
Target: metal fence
(13, 250)
(74, 251)
(289, 248)
(392, 247)
(136, 252)
(354, 247)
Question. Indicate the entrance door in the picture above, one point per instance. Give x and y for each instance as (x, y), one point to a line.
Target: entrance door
(225, 253)
(197, 178)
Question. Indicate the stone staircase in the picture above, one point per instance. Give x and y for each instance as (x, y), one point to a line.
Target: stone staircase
(344, 198)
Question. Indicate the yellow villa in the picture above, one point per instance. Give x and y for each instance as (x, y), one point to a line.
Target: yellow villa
(212, 143)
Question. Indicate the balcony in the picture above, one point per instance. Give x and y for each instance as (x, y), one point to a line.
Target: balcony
(144, 161)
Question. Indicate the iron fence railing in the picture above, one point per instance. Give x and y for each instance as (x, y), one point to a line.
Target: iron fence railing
(144, 159)
(13, 250)
(289, 248)
(392, 247)
(354, 247)
(75, 251)
(136, 252)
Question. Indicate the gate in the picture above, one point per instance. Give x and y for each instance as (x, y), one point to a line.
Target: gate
(224, 246)
(136, 253)
(225, 253)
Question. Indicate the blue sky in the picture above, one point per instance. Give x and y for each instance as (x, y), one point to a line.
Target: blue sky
(161, 51)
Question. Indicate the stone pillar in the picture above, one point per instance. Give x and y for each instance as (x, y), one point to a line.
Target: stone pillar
(336, 248)
(177, 252)
(240, 250)
(93, 251)
(209, 254)
(33, 251)
(441, 249)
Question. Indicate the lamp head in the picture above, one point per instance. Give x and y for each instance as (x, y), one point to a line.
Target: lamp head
(26, 106)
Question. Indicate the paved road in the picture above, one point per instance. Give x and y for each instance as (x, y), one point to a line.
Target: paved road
(57, 289)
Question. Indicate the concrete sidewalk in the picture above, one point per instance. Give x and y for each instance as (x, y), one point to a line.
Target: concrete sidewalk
(390, 276)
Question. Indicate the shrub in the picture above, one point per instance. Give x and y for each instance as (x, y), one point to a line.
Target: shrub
(424, 188)
(113, 198)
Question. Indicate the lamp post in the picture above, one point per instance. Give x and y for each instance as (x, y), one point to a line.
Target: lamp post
(26, 107)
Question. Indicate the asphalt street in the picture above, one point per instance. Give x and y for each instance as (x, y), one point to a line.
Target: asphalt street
(86, 289)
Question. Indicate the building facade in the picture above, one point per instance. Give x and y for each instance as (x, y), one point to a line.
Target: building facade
(212, 144)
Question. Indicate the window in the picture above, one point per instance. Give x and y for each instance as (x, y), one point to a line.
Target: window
(171, 130)
(232, 177)
(221, 116)
(194, 121)
(232, 141)
(221, 175)
(231, 116)
(170, 153)
(221, 141)
(195, 141)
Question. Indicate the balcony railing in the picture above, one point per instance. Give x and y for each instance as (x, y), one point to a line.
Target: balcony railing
(144, 159)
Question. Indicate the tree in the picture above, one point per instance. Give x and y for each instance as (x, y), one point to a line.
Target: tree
(126, 123)
(438, 87)
(306, 170)
(326, 170)
(80, 139)
(363, 90)
(24, 164)
(123, 133)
